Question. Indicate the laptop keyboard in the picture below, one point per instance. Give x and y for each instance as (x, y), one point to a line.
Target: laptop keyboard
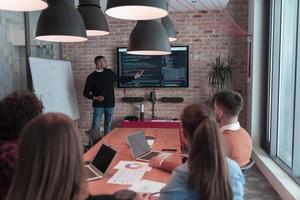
(90, 173)
(149, 155)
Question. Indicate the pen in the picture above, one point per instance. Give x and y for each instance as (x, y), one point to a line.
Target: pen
(169, 149)
(150, 194)
(154, 193)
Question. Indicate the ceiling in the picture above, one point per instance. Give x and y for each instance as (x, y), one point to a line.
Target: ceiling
(186, 5)
(192, 5)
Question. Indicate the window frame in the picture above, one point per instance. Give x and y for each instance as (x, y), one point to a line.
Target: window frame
(274, 77)
(275, 40)
(296, 142)
(28, 50)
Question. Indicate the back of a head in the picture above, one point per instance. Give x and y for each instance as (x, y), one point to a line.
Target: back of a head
(50, 160)
(16, 110)
(208, 172)
(231, 102)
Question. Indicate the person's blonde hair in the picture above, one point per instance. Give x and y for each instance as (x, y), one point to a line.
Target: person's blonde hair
(50, 164)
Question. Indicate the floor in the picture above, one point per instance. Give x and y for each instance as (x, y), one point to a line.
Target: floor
(258, 187)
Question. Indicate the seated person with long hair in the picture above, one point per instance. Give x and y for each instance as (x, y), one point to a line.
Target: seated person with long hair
(50, 163)
(207, 174)
(16, 110)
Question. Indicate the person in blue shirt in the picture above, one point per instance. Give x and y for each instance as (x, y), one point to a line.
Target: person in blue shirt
(208, 174)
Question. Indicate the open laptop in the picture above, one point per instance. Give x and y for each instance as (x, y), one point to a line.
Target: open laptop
(140, 148)
(98, 166)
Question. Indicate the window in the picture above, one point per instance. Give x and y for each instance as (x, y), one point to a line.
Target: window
(17, 42)
(284, 85)
(12, 53)
(38, 48)
(287, 80)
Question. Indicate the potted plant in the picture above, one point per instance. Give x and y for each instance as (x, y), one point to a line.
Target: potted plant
(220, 74)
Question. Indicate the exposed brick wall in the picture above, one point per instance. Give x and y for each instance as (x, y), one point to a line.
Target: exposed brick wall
(203, 34)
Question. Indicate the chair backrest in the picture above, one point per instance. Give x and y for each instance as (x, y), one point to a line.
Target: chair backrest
(249, 165)
(94, 136)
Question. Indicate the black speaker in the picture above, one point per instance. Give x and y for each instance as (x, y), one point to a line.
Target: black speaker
(132, 99)
(172, 99)
(131, 118)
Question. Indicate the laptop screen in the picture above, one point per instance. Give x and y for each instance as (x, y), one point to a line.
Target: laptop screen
(138, 144)
(103, 158)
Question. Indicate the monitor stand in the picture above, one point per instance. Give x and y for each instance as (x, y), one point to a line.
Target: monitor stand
(152, 98)
(153, 116)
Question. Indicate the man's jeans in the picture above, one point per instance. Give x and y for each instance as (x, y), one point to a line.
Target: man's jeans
(97, 116)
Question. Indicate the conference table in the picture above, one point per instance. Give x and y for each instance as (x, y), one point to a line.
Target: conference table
(164, 138)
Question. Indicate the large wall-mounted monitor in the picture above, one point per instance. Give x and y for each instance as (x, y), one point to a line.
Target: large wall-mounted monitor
(168, 71)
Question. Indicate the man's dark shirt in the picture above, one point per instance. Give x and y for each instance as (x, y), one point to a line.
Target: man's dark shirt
(8, 157)
(102, 84)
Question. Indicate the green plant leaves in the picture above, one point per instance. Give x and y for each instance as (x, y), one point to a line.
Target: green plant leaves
(220, 75)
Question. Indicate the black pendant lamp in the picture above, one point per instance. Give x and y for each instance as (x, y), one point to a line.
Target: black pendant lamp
(61, 22)
(137, 9)
(93, 17)
(169, 27)
(149, 38)
(23, 5)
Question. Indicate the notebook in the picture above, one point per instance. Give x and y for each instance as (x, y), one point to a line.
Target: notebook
(101, 162)
(141, 150)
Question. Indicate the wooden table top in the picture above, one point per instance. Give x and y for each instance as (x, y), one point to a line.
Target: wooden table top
(164, 138)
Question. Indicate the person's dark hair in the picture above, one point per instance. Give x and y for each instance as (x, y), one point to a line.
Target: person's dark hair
(16, 110)
(208, 173)
(97, 58)
(50, 163)
(231, 102)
